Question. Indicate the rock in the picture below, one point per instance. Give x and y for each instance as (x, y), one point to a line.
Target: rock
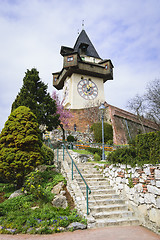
(141, 200)
(41, 168)
(149, 198)
(139, 187)
(83, 158)
(157, 183)
(60, 201)
(147, 171)
(29, 230)
(33, 208)
(76, 226)
(158, 202)
(153, 182)
(153, 189)
(58, 188)
(154, 216)
(142, 210)
(16, 194)
(157, 174)
(10, 230)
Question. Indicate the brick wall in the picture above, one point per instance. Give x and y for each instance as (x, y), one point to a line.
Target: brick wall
(125, 124)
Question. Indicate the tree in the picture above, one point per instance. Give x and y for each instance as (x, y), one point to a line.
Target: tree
(147, 105)
(64, 114)
(20, 146)
(152, 98)
(136, 104)
(33, 94)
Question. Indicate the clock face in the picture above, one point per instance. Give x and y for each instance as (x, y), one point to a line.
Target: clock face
(87, 89)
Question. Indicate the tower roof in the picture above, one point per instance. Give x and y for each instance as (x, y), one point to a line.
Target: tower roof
(83, 41)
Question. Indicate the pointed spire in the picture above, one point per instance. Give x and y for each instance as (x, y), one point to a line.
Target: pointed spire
(83, 40)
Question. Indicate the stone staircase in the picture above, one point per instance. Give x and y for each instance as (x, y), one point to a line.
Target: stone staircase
(106, 208)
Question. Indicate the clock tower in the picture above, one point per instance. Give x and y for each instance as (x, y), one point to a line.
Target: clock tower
(83, 74)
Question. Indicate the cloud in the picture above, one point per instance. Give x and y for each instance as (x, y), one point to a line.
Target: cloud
(32, 33)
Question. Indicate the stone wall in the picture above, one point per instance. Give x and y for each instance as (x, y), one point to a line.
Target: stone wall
(57, 135)
(141, 187)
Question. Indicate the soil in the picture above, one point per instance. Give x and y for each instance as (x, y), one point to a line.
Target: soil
(2, 197)
(69, 198)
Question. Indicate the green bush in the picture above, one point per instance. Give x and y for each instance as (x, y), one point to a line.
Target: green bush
(145, 150)
(125, 155)
(97, 130)
(109, 142)
(97, 157)
(95, 150)
(20, 146)
(48, 155)
(148, 147)
(70, 138)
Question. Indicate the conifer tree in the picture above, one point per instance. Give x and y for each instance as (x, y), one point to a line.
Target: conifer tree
(33, 94)
(20, 146)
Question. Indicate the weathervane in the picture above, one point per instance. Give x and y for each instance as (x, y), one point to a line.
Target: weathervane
(82, 24)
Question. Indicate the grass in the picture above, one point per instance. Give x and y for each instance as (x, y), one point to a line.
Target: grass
(81, 151)
(33, 212)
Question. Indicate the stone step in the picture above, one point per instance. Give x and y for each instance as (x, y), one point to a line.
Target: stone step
(108, 201)
(94, 183)
(91, 175)
(94, 179)
(108, 208)
(113, 215)
(96, 187)
(102, 197)
(116, 222)
(101, 192)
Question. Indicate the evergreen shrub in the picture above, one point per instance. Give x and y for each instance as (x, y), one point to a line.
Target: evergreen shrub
(70, 138)
(125, 155)
(97, 131)
(144, 150)
(95, 150)
(148, 147)
(48, 155)
(20, 146)
(97, 157)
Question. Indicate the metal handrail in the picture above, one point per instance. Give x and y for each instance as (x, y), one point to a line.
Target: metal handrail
(88, 190)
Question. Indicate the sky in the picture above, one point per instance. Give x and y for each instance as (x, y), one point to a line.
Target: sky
(33, 31)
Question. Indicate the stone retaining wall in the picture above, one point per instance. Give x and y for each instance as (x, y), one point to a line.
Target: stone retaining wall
(57, 135)
(141, 187)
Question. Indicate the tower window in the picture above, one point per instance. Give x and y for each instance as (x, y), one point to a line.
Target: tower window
(70, 59)
(106, 66)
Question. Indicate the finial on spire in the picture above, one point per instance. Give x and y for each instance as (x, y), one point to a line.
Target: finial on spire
(82, 24)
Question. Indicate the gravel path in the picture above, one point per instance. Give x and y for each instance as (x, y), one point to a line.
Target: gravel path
(109, 233)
